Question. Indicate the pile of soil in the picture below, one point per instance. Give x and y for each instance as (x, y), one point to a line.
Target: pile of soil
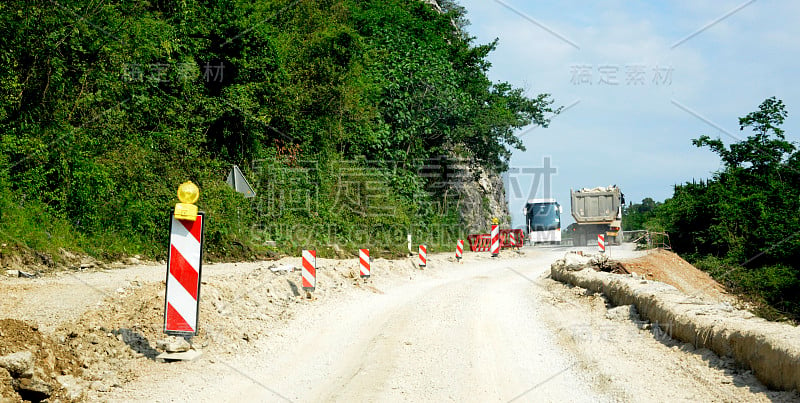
(667, 267)
(34, 367)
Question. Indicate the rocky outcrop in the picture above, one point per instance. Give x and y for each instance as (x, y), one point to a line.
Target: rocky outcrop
(478, 194)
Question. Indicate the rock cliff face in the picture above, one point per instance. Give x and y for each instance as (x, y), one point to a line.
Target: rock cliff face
(482, 198)
(479, 195)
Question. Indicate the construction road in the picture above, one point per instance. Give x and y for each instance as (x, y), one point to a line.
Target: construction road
(484, 331)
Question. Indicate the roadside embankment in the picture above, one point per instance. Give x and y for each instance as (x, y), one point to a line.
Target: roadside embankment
(771, 350)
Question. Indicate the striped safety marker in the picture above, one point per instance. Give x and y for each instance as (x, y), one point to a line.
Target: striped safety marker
(309, 269)
(495, 240)
(363, 257)
(423, 256)
(513, 239)
(182, 301)
(601, 243)
(459, 249)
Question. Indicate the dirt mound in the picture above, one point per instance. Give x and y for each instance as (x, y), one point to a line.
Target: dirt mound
(34, 367)
(667, 267)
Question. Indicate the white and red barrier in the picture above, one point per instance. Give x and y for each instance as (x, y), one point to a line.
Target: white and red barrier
(363, 257)
(601, 243)
(479, 242)
(459, 249)
(495, 240)
(513, 239)
(309, 269)
(423, 256)
(182, 301)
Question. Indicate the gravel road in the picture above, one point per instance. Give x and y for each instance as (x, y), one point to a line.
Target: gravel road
(487, 330)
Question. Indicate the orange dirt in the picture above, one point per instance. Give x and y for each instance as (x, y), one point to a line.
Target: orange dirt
(667, 267)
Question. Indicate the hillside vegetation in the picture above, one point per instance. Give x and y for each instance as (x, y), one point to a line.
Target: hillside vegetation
(330, 107)
(743, 224)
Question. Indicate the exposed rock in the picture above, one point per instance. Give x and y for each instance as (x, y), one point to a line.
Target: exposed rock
(87, 265)
(573, 261)
(71, 387)
(286, 267)
(46, 259)
(34, 388)
(622, 313)
(478, 194)
(12, 273)
(19, 364)
(67, 254)
(173, 345)
(132, 261)
(99, 386)
(7, 392)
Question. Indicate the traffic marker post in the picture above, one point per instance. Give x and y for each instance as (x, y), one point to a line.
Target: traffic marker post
(309, 270)
(495, 240)
(423, 256)
(184, 265)
(513, 240)
(601, 243)
(363, 257)
(459, 249)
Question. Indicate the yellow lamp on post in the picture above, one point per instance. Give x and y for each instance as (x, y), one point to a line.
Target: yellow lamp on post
(188, 193)
(495, 221)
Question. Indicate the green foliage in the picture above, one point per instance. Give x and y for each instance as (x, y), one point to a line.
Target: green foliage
(640, 216)
(744, 221)
(330, 107)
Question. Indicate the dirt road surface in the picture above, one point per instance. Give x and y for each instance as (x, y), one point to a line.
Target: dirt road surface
(482, 331)
(487, 330)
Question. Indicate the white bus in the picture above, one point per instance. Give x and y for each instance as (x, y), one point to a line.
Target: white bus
(543, 220)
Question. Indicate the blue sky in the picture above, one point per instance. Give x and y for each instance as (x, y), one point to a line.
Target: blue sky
(641, 80)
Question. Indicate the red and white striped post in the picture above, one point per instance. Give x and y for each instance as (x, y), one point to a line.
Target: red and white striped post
(423, 256)
(363, 257)
(459, 249)
(513, 239)
(495, 240)
(601, 243)
(182, 301)
(309, 270)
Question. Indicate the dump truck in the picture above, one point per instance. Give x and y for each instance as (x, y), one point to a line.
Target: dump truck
(597, 211)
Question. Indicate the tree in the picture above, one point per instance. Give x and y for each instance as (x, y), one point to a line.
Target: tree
(759, 152)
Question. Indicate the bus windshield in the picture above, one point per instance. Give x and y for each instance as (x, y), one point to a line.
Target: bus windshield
(545, 217)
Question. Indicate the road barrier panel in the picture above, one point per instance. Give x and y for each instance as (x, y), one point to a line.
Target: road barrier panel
(363, 257)
(423, 256)
(184, 265)
(459, 249)
(495, 240)
(309, 270)
(601, 243)
(479, 242)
